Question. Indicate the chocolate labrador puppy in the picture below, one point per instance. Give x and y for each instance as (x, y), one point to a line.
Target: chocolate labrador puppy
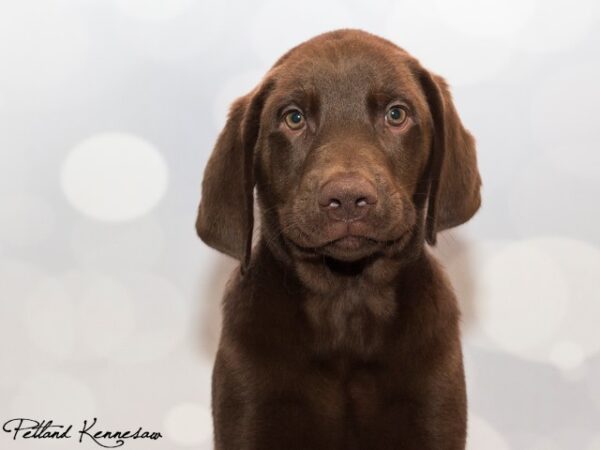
(340, 331)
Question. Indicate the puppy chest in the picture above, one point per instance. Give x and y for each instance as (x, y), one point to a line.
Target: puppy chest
(352, 322)
(342, 392)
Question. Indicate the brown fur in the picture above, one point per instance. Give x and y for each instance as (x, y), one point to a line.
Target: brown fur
(340, 334)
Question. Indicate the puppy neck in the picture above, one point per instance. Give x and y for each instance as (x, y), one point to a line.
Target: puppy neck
(324, 275)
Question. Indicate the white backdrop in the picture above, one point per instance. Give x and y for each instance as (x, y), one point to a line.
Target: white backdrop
(109, 305)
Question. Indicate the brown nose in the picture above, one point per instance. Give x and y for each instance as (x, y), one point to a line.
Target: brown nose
(347, 197)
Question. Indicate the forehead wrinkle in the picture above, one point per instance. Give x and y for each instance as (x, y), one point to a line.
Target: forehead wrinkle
(342, 74)
(299, 94)
(352, 85)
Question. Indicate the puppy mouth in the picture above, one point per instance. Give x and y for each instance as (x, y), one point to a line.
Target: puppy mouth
(355, 247)
(349, 247)
(351, 242)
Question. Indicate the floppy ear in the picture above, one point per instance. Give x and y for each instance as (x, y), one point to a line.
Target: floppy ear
(454, 181)
(225, 215)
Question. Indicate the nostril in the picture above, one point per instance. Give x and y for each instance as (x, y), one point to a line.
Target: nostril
(334, 203)
(361, 202)
(347, 198)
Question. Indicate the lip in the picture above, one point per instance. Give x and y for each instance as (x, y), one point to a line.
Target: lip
(345, 248)
(351, 242)
(348, 247)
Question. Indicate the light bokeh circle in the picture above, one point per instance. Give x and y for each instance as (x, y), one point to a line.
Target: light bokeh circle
(463, 265)
(114, 177)
(580, 266)
(526, 298)
(86, 314)
(534, 298)
(189, 424)
(81, 314)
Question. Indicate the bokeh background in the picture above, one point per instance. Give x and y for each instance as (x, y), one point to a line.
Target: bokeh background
(109, 304)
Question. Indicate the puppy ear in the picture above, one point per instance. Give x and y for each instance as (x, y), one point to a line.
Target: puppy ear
(454, 181)
(226, 212)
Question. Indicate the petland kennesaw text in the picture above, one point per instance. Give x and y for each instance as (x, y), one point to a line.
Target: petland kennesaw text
(47, 429)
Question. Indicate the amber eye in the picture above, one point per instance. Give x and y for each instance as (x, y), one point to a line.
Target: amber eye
(396, 116)
(294, 119)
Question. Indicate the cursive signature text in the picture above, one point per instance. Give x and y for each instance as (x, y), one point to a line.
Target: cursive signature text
(22, 428)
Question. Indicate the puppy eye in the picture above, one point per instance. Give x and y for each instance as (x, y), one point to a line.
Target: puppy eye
(396, 115)
(294, 119)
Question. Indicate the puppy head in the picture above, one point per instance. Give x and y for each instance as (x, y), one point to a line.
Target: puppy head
(354, 149)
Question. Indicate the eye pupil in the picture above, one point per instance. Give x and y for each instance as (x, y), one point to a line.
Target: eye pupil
(294, 119)
(396, 115)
